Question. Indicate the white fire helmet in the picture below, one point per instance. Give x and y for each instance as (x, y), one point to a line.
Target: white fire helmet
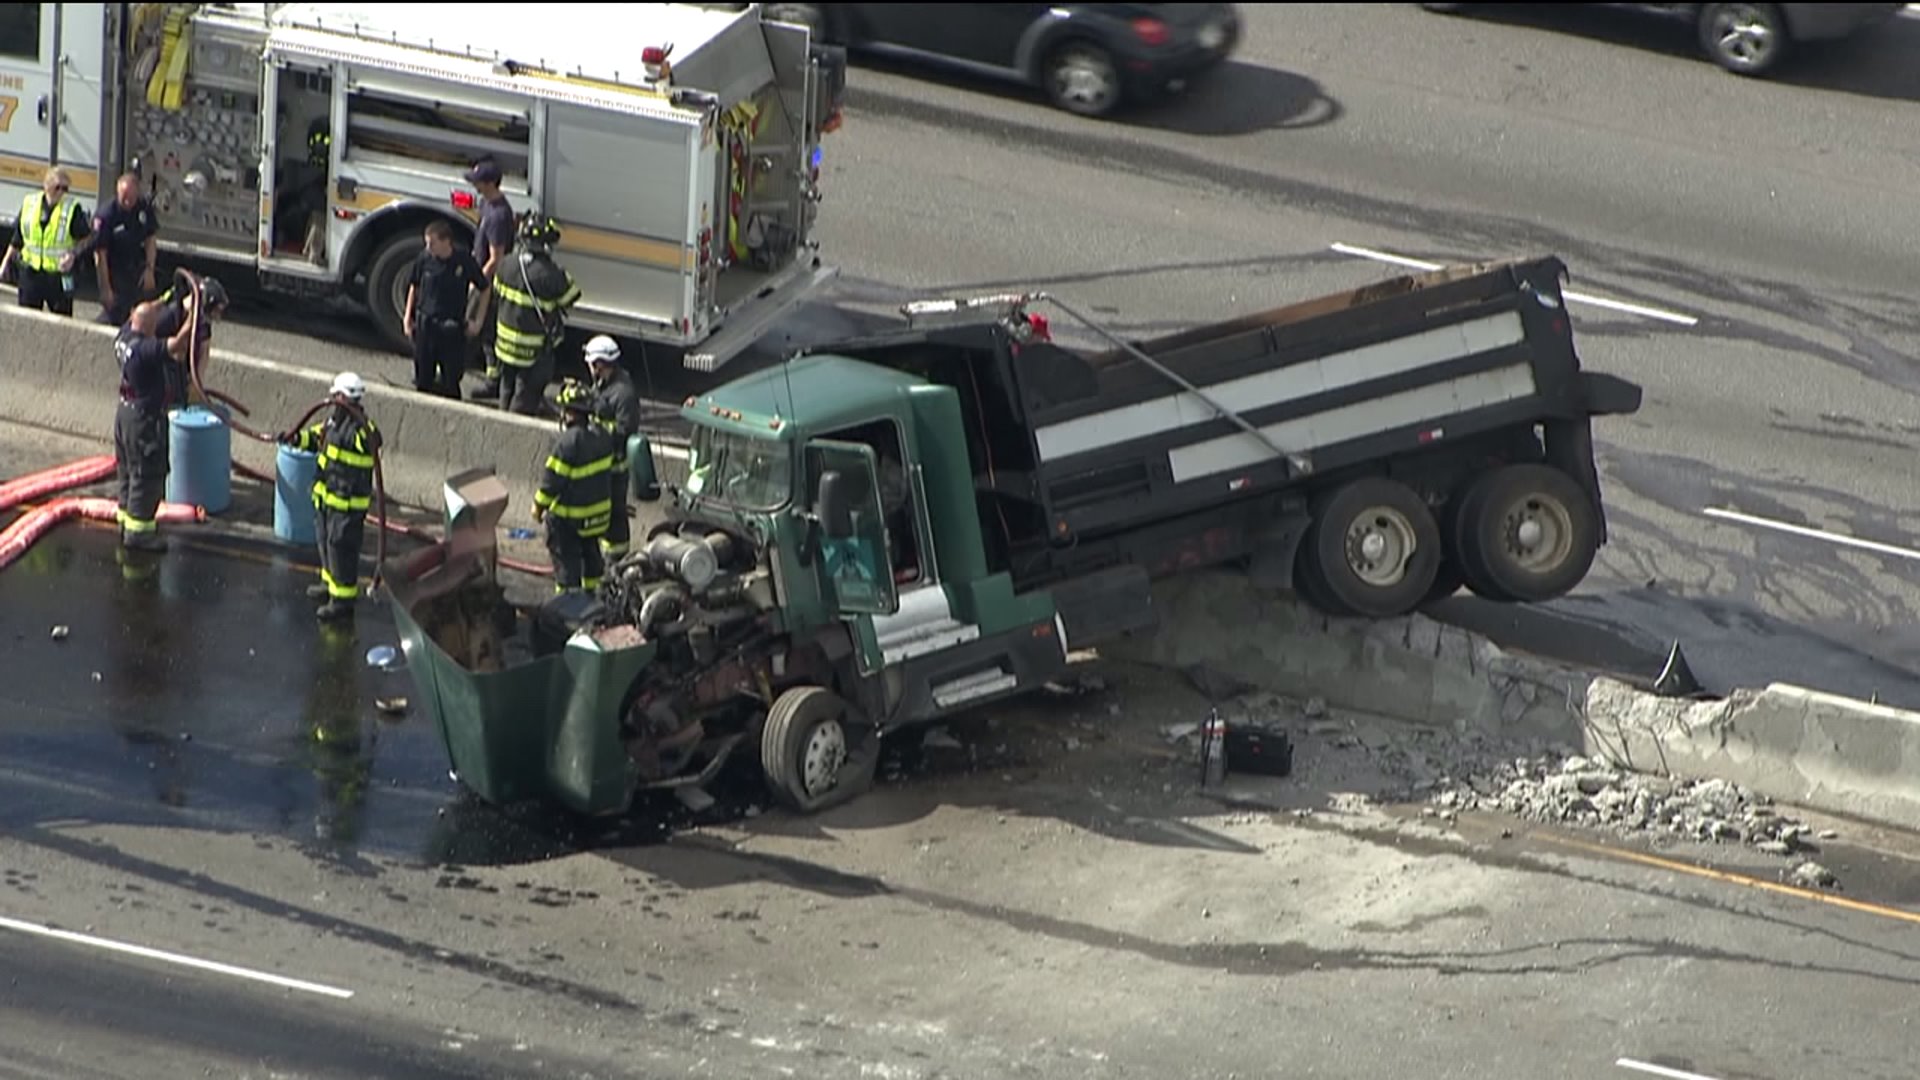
(602, 350)
(350, 386)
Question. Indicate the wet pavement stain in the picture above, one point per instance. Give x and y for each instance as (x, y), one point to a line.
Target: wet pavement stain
(195, 686)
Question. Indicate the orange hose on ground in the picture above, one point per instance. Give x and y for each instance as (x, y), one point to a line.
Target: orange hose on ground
(37, 485)
(21, 535)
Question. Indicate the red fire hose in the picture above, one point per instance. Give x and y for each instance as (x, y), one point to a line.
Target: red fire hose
(16, 538)
(46, 482)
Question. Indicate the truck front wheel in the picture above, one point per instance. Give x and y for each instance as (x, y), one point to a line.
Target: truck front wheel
(1374, 548)
(1526, 534)
(803, 747)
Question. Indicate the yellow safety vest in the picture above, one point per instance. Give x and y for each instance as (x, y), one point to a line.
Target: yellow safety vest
(46, 244)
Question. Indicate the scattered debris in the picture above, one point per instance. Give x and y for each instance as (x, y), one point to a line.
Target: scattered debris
(1811, 875)
(60, 632)
(392, 706)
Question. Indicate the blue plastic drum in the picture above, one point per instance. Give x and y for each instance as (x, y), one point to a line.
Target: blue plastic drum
(293, 473)
(200, 449)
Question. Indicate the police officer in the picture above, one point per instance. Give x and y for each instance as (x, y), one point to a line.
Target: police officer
(342, 492)
(147, 388)
(534, 296)
(443, 278)
(125, 247)
(574, 499)
(617, 409)
(45, 241)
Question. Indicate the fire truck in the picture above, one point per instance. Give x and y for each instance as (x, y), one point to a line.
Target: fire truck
(678, 146)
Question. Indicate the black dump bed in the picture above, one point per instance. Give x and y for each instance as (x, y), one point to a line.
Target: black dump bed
(1074, 447)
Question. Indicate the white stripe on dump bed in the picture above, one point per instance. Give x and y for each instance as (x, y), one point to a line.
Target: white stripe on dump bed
(1434, 403)
(1248, 393)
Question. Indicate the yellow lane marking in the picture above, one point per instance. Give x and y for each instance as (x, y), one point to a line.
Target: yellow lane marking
(1732, 878)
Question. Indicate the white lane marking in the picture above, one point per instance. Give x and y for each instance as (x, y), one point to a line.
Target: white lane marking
(1815, 534)
(1660, 1070)
(1572, 297)
(172, 958)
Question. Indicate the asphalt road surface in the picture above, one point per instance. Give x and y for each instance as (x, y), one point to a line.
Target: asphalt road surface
(218, 858)
(1764, 227)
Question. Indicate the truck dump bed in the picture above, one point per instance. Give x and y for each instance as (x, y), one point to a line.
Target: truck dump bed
(1334, 382)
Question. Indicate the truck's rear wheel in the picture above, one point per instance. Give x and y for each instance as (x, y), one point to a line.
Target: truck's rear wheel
(804, 746)
(1526, 534)
(1374, 548)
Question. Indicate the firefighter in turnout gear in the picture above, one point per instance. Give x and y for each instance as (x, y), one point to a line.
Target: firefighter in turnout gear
(534, 295)
(152, 376)
(342, 492)
(575, 499)
(618, 411)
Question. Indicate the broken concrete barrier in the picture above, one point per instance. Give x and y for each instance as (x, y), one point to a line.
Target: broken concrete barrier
(1789, 743)
(1412, 668)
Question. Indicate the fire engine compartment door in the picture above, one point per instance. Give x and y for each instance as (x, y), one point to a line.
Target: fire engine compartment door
(27, 131)
(624, 187)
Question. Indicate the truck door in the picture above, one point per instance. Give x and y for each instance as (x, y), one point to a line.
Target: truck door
(855, 573)
(27, 126)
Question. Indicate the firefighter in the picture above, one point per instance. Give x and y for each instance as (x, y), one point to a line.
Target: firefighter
(342, 492)
(574, 499)
(535, 295)
(46, 239)
(618, 411)
(149, 384)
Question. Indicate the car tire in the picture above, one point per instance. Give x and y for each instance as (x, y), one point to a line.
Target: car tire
(1083, 79)
(1746, 39)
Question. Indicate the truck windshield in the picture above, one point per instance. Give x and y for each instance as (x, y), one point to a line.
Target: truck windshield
(749, 473)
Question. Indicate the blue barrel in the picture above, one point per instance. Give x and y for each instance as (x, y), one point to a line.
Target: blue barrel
(293, 472)
(200, 446)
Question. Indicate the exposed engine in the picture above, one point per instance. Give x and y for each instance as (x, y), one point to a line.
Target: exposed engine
(703, 597)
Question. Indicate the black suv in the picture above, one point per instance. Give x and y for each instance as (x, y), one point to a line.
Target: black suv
(1089, 58)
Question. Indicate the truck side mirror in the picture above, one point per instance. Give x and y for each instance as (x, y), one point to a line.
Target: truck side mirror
(834, 506)
(642, 479)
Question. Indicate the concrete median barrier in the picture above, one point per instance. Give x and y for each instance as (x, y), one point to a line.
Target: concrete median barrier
(1789, 743)
(60, 374)
(1412, 669)
(1795, 745)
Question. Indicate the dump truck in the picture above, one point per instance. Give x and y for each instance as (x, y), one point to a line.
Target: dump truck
(677, 145)
(886, 531)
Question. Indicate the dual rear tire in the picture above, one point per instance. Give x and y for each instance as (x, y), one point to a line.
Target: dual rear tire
(1519, 534)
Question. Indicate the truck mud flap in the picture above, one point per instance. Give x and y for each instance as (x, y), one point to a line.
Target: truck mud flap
(1104, 605)
(1609, 395)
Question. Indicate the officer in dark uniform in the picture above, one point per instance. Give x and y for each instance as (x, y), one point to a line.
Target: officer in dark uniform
(342, 492)
(617, 408)
(125, 247)
(574, 499)
(492, 243)
(534, 296)
(140, 424)
(437, 292)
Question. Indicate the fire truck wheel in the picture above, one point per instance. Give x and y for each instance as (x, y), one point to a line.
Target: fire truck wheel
(1526, 534)
(1376, 546)
(387, 287)
(1310, 582)
(803, 747)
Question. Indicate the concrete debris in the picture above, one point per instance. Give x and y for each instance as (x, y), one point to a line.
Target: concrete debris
(1582, 791)
(1811, 875)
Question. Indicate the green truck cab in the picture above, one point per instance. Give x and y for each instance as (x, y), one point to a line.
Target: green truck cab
(897, 528)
